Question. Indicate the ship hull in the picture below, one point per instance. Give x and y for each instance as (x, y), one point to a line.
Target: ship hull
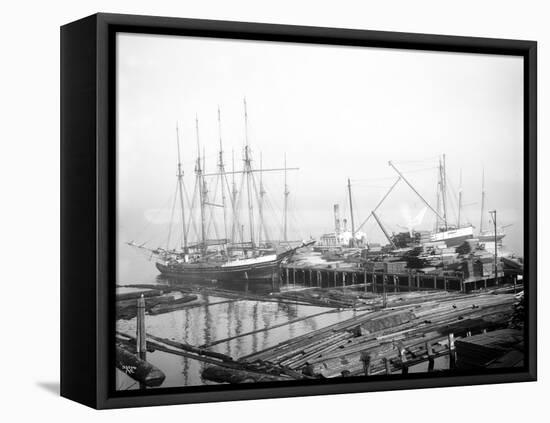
(453, 237)
(264, 271)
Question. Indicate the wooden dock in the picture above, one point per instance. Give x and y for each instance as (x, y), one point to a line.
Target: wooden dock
(378, 281)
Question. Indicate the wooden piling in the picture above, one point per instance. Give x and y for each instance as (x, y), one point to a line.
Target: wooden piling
(403, 357)
(452, 351)
(431, 358)
(387, 365)
(141, 343)
(366, 360)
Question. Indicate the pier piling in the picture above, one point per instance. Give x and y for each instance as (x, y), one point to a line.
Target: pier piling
(431, 359)
(366, 360)
(452, 351)
(141, 344)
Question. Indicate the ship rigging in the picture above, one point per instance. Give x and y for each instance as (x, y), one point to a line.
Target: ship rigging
(233, 254)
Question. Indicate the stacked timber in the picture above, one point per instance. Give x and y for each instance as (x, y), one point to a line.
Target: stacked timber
(395, 266)
(479, 351)
(323, 297)
(414, 328)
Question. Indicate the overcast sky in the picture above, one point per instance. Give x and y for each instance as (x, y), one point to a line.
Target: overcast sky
(337, 112)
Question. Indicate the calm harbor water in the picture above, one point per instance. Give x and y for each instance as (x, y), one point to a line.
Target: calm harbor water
(200, 325)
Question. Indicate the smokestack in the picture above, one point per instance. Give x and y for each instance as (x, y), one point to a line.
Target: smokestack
(345, 225)
(337, 218)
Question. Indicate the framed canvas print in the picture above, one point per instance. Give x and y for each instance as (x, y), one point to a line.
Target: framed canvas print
(255, 211)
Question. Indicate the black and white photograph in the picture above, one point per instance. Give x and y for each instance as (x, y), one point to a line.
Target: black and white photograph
(293, 212)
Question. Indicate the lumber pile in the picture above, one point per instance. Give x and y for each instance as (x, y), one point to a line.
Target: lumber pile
(479, 351)
(323, 297)
(413, 328)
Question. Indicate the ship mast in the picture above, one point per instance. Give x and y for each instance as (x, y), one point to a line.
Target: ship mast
(438, 201)
(235, 226)
(442, 170)
(261, 204)
(221, 169)
(351, 214)
(248, 175)
(459, 200)
(200, 179)
(180, 189)
(417, 193)
(482, 200)
(285, 213)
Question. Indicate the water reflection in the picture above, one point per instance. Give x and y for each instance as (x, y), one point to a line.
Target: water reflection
(211, 322)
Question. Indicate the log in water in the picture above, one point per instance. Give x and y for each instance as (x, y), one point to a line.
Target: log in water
(138, 369)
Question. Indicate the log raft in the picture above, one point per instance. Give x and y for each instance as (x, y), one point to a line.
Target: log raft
(394, 339)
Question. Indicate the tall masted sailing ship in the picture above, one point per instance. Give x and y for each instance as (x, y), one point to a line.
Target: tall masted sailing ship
(238, 255)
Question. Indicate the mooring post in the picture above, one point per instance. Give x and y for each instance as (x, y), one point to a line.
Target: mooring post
(452, 351)
(387, 365)
(402, 355)
(384, 290)
(417, 281)
(366, 359)
(431, 359)
(287, 279)
(141, 341)
(272, 282)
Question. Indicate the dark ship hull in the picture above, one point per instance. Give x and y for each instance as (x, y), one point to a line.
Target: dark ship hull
(267, 270)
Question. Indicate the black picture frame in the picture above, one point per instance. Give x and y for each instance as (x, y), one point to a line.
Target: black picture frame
(88, 205)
